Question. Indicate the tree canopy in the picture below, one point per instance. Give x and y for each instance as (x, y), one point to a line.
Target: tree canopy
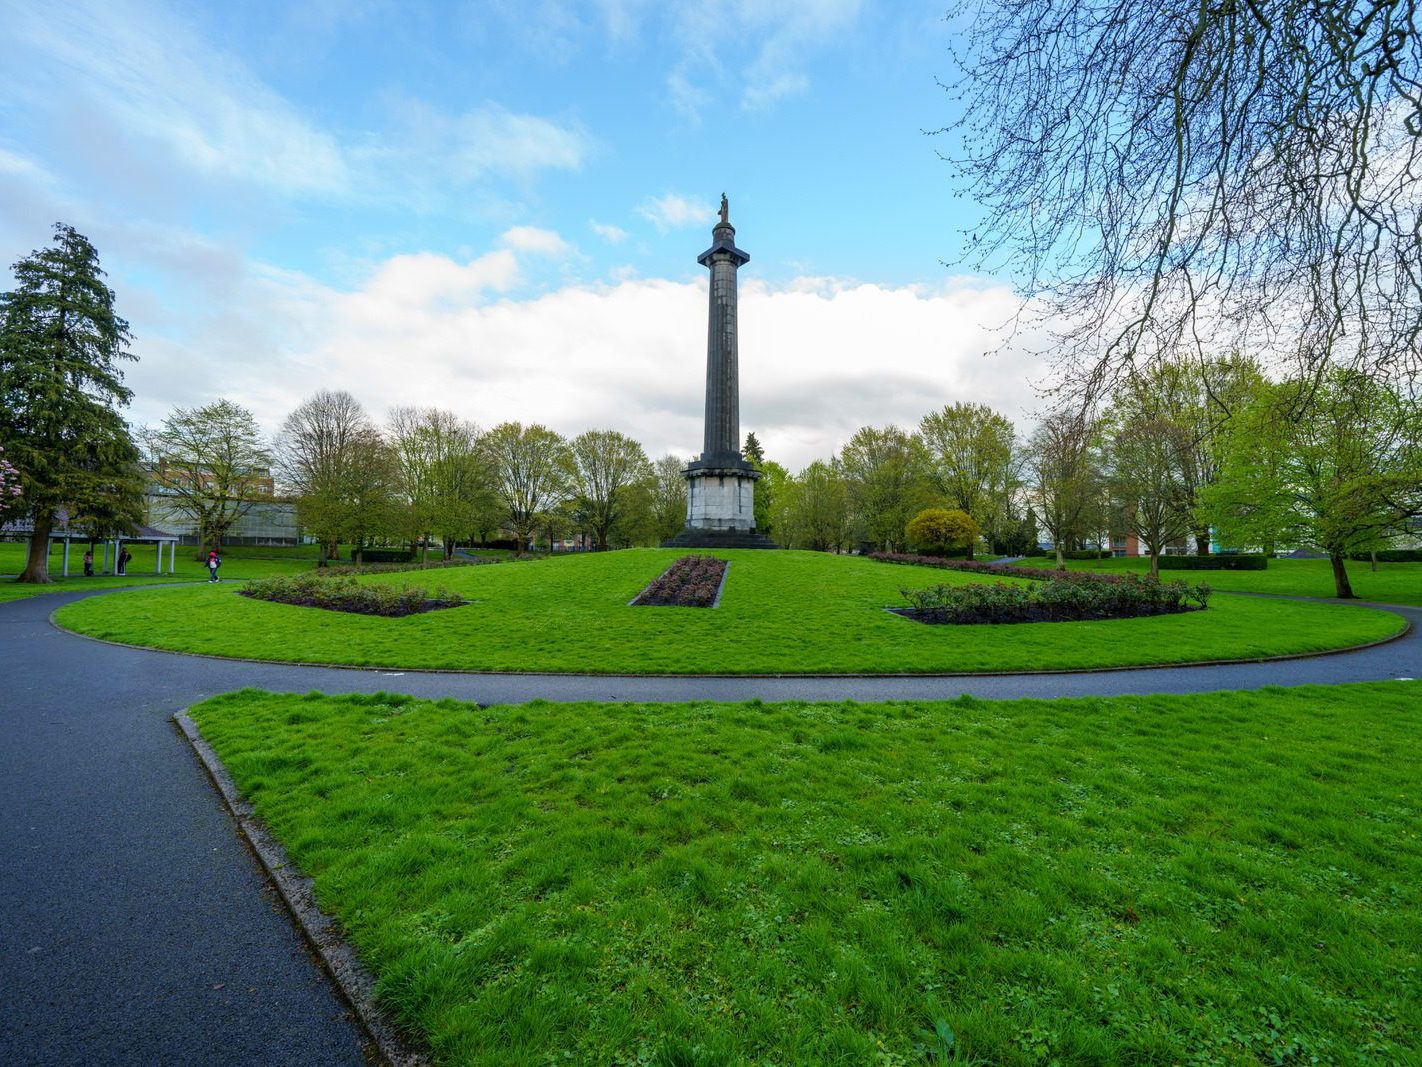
(1342, 474)
(61, 345)
(212, 465)
(1174, 176)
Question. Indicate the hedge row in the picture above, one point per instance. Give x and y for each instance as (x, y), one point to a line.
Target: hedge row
(1241, 562)
(346, 570)
(1080, 553)
(1003, 570)
(1390, 555)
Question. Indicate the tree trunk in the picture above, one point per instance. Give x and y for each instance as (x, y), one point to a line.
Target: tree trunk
(1155, 564)
(1202, 542)
(1374, 557)
(36, 570)
(1061, 563)
(1342, 589)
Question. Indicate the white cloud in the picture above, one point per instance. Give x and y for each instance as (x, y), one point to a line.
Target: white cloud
(536, 240)
(818, 358)
(162, 82)
(673, 212)
(608, 232)
(145, 76)
(759, 48)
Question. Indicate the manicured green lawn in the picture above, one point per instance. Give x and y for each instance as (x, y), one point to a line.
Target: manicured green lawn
(781, 612)
(1222, 878)
(1392, 583)
(238, 564)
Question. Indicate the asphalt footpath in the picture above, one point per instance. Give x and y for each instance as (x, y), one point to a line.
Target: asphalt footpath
(135, 927)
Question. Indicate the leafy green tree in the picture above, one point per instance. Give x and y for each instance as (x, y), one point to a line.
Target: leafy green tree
(941, 530)
(884, 471)
(1148, 485)
(1334, 465)
(973, 462)
(533, 469)
(336, 465)
(211, 465)
(667, 493)
(1065, 478)
(818, 510)
(607, 468)
(770, 491)
(1198, 398)
(446, 477)
(60, 390)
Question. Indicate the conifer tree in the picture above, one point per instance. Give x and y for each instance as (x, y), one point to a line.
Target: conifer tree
(61, 343)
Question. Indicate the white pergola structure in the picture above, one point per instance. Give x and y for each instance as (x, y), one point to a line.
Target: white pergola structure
(65, 534)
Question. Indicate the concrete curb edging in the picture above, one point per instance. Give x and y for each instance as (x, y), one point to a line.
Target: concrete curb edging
(355, 983)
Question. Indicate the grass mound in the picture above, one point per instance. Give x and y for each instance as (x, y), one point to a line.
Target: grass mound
(1213, 879)
(780, 613)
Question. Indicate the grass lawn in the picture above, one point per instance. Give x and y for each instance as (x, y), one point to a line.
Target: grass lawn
(236, 563)
(239, 563)
(781, 612)
(1392, 583)
(1220, 878)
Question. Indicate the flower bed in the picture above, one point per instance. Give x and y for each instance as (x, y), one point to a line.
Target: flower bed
(344, 593)
(690, 582)
(1058, 599)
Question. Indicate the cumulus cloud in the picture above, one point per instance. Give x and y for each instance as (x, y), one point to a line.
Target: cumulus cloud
(818, 358)
(536, 240)
(608, 232)
(674, 212)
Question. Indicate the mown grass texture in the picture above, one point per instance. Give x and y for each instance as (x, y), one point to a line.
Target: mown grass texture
(237, 565)
(1213, 879)
(1391, 583)
(780, 612)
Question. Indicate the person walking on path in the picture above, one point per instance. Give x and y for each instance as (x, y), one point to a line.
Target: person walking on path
(89, 564)
(213, 562)
(123, 557)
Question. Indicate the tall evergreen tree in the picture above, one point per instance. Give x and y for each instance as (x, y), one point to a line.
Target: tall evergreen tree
(60, 390)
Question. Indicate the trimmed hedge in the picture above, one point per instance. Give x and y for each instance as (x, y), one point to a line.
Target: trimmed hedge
(1086, 553)
(386, 555)
(1390, 555)
(1241, 562)
(1004, 570)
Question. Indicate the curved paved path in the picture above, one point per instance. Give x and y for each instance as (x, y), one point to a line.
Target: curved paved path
(135, 928)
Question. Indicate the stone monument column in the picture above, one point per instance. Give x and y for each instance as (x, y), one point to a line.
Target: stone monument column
(720, 510)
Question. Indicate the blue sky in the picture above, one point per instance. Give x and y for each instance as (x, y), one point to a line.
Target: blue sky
(496, 207)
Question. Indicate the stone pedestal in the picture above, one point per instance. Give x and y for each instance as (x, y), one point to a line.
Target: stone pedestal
(720, 508)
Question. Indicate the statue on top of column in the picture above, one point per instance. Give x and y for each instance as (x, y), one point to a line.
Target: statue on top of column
(725, 209)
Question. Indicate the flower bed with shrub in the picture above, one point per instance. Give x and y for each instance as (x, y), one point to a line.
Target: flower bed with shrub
(690, 582)
(1059, 599)
(344, 593)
